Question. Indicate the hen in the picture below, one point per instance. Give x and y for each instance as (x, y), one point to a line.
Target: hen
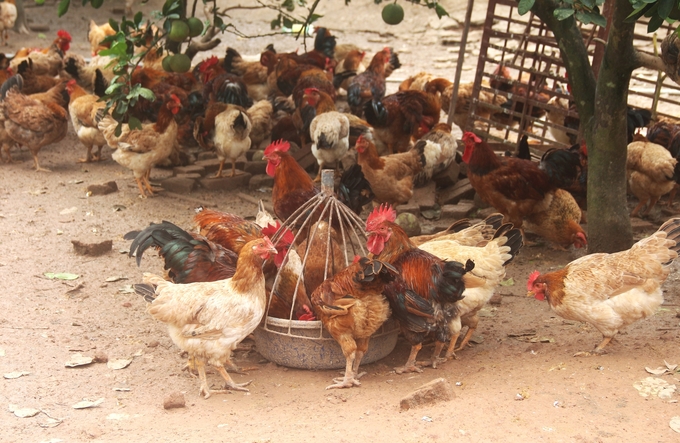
(141, 149)
(97, 33)
(391, 176)
(516, 187)
(232, 136)
(490, 256)
(351, 307)
(45, 60)
(611, 291)
(8, 15)
(440, 148)
(83, 108)
(330, 139)
(425, 293)
(208, 319)
(368, 85)
(650, 169)
(33, 121)
(398, 117)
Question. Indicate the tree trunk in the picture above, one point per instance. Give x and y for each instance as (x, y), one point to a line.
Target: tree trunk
(609, 228)
(21, 24)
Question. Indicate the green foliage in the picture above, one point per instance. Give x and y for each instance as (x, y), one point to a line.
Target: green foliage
(585, 11)
(657, 11)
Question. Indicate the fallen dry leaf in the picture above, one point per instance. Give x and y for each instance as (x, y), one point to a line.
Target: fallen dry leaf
(88, 404)
(119, 364)
(78, 360)
(17, 374)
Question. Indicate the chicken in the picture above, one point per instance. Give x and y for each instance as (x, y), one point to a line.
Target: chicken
(351, 307)
(666, 133)
(398, 117)
(611, 291)
(83, 109)
(45, 60)
(88, 74)
(188, 258)
(141, 149)
(34, 83)
(650, 169)
(490, 256)
(33, 121)
(253, 74)
(515, 187)
(440, 148)
(97, 33)
(208, 319)
(8, 15)
(559, 222)
(425, 293)
(348, 68)
(260, 115)
(370, 84)
(324, 254)
(228, 230)
(391, 176)
(232, 136)
(330, 139)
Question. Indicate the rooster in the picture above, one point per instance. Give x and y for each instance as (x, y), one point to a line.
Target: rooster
(330, 139)
(141, 149)
(491, 255)
(611, 291)
(424, 295)
(208, 319)
(370, 84)
(351, 307)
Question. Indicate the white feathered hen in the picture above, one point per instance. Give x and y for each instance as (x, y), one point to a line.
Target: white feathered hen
(330, 138)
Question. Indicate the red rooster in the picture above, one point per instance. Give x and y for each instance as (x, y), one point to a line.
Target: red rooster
(424, 294)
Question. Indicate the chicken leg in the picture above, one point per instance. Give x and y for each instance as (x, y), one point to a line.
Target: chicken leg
(37, 165)
(354, 351)
(435, 360)
(410, 365)
(599, 350)
(230, 384)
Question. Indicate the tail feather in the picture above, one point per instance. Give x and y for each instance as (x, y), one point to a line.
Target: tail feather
(562, 166)
(100, 83)
(376, 114)
(14, 81)
(672, 230)
(514, 239)
(230, 57)
(145, 290)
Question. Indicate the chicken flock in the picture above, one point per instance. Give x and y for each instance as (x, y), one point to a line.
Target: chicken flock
(225, 275)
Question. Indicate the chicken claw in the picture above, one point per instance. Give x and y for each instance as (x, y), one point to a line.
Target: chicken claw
(230, 384)
(408, 368)
(344, 382)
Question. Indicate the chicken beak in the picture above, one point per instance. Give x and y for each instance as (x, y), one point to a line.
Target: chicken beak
(530, 294)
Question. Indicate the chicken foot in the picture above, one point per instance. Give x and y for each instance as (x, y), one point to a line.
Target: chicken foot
(90, 157)
(352, 374)
(410, 365)
(231, 384)
(435, 356)
(450, 351)
(599, 350)
(37, 164)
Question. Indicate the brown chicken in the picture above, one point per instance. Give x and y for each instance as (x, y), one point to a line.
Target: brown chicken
(33, 82)
(399, 117)
(391, 176)
(324, 254)
(611, 291)
(348, 68)
(141, 149)
(33, 121)
(83, 109)
(650, 169)
(370, 84)
(45, 60)
(96, 33)
(253, 74)
(351, 307)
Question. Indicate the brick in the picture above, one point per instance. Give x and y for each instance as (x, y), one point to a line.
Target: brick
(179, 185)
(189, 176)
(447, 177)
(191, 169)
(461, 190)
(241, 179)
(437, 391)
(425, 196)
(640, 225)
(92, 247)
(409, 207)
(456, 212)
(260, 181)
(103, 189)
(255, 167)
(212, 165)
(205, 155)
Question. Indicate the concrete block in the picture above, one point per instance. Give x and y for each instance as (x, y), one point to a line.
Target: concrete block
(425, 197)
(456, 212)
(191, 169)
(212, 165)
(92, 247)
(103, 189)
(179, 185)
(241, 179)
(205, 155)
(461, 190)
(410, 207)
(447, 177)
(260, 181)
(437, 391)
(255, 167)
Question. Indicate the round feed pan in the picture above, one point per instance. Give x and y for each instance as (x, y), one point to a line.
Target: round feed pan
(306, 345)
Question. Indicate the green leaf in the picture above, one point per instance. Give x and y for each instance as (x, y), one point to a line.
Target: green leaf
(314, 17)
(441, 12)
(525, 6)
(599, 20)
(113, 87)
(61, 276)
(665, 7)
(134, 123)
(508, 282)
(637, 13)
(219, 23)
(96, 4)
(563, 13)
(654, 23)
(287, 23)
(276, 23)
(138, 18)
(590, 4)
(63, 7)
(289, 5)
(119, 130)
(147, 94)
(114, 25)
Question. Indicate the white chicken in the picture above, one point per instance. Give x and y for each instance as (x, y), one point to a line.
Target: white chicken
(232, 136)
(8, 15)
(208, 319)
(490, 256)
(650, 169)
(330, 138)
(440, 150)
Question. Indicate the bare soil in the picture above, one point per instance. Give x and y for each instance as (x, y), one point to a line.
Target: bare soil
(517, 382)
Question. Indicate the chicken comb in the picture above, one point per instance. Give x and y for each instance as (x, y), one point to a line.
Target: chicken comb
(71, 82)
(175, 98)
(208, 63)
(379, 215)
(532, 278)
(471, 136)
(277, 146)
(311, 90)
(584, 148)
(64, 34)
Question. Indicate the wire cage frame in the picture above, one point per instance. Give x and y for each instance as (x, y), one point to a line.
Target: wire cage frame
(307, 344)
(527, 48)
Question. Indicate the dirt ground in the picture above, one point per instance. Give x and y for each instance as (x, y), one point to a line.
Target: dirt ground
(518, 382)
